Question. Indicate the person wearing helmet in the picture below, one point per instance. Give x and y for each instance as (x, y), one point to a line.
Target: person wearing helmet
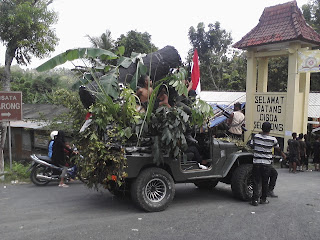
(58, 155)
(53, 135)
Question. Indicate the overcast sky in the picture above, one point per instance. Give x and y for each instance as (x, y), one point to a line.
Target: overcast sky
(167, 21)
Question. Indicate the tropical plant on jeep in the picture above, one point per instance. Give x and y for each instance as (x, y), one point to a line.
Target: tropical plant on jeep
(115, 121)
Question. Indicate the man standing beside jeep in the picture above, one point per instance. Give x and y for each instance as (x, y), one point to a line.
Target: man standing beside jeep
(262, 163)
(235, 122)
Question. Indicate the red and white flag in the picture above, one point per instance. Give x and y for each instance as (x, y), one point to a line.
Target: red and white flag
(195, 73)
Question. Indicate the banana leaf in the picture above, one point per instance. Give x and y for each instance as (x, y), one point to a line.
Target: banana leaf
(73, 54)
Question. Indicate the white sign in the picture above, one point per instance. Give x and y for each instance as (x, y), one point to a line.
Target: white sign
(270, 107)
(309, 61)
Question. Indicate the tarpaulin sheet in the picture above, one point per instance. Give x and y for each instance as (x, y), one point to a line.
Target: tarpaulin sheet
(218, 117)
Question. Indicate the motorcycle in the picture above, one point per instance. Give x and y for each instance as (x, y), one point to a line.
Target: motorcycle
(43, 170)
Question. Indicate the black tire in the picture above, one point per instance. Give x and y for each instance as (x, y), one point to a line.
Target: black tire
(207, 184)
(153, 190)
(242, 183)
(33, 176)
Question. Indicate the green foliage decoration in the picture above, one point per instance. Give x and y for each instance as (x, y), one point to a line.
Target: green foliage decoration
(200, 112)
(115, 122)
(103, 162)
(102, 143)
(72, 121)
(169, 126)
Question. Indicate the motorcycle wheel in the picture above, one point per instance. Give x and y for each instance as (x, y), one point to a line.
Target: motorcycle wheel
(33, 176)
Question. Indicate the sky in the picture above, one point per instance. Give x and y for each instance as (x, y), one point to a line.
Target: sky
(167, 21)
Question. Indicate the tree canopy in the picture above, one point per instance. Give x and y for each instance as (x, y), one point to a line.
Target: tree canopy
(213, 47)
(135, 41)
(132, 41)
(105, 41)
(311, 13)
(25, 30)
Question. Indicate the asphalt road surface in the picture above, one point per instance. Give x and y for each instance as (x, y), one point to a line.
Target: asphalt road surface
(31, 212)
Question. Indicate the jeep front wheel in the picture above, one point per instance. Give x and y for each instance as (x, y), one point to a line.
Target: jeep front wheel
(242, 183)
(153, 190)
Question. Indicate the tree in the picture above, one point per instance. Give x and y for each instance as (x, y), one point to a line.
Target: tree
(105, 41)
(136, 42)
(278, 74)
(236, 73)
(212, 46)
(25, 31)
(311, 13)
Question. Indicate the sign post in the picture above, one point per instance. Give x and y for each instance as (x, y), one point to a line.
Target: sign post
(10, 106)
(10, 109)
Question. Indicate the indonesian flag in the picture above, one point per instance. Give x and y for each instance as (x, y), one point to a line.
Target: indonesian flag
(195, 73)
(87, 122)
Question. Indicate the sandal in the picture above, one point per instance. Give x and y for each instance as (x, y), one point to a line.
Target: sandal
(63, 185)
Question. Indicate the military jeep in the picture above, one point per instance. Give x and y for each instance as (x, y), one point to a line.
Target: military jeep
(152, 186)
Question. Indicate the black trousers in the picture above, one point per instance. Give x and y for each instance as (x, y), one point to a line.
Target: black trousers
(196, 155)
(273, 178)
(260, 173)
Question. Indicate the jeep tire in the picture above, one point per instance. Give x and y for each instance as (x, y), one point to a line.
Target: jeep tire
(242, 183)
(153, 190)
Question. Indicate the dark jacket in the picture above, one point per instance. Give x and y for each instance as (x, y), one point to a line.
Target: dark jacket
(58, 149)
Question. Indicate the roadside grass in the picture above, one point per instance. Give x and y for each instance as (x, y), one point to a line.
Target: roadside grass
(18, 174)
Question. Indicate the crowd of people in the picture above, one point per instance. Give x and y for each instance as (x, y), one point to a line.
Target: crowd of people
(300, 150)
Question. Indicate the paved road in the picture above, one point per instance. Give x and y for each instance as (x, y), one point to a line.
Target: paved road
(31, 212)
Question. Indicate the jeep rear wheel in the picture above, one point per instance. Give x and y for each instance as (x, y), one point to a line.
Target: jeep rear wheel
(153, 190)
(207, 184)
(242, 183)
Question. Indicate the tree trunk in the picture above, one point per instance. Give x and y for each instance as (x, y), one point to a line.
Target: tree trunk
(212, 78)
(6, 87)
(3, 133)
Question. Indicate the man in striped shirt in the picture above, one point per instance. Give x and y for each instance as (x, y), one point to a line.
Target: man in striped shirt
(262, 160)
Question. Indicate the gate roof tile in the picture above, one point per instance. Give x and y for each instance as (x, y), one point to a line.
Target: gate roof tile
(280, 23)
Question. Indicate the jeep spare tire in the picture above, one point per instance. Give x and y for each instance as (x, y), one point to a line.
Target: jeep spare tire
(242, 182)
(153, 190)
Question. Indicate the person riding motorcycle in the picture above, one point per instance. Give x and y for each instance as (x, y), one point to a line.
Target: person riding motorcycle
(58, 155)
(53, 135)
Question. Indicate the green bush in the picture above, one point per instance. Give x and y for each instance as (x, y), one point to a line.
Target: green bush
(17, 173)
